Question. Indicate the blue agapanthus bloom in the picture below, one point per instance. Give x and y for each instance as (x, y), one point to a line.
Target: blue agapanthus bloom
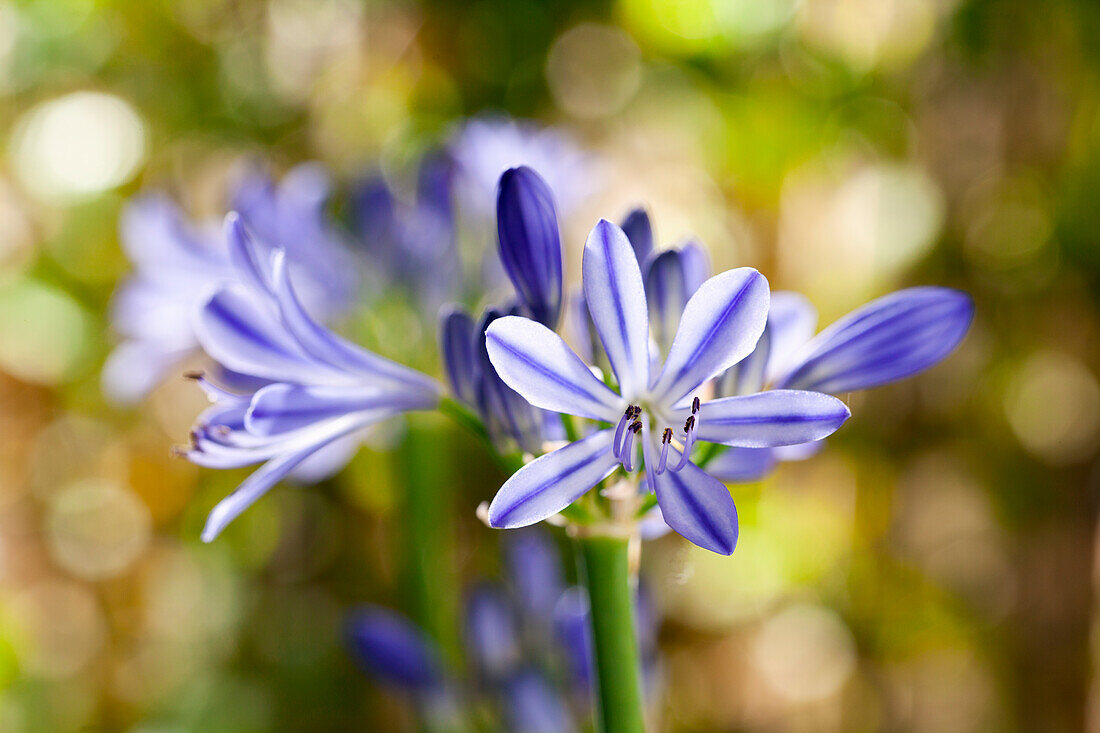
(531, 253)
(661, 409)
(484, 148)
(177, 262)
(412, 241)
(527, 645)
(314, 390)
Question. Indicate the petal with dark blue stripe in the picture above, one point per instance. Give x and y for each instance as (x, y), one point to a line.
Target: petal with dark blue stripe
(699, 507)
(536, 363)
(552, 482)
(616, 301)
(767, 419)
(282, 408)
(888, 339)
(721, 325)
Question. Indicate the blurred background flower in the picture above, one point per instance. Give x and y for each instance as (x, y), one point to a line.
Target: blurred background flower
(933, 569)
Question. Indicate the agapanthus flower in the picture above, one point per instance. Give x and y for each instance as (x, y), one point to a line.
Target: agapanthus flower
(177, 262)
(314, 388)
(664, 411)
(412, 241)
(485, 148)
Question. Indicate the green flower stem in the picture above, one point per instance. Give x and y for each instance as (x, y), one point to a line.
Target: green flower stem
(429, 578)
(606, 572)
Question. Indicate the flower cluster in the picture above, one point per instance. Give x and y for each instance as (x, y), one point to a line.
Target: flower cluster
(526, 643)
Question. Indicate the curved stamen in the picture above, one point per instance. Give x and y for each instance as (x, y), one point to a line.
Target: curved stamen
(666, 441)
(626, 455)
(647, 454)
(689, 442)
(616, 444)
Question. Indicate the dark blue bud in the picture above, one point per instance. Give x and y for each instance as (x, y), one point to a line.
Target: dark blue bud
(639, 231)
(530, 243)
(392, 650)
(667, 293)
(434, 184)
(459, 343)
(507, 415)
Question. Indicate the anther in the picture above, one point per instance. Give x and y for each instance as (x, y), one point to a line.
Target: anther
(666, 437)
(632, 412)
(195, 374)
(695, 406)
(689, 423)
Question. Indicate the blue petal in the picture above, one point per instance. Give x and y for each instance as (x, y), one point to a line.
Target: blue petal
(159, 240)
(699, 507)
(767, 419)
(792, 320)
(534, 706)
(890, 338)
(530, 244)
(393, 650)
(667, 294)
(552, 482)
(639, 231)
(721, 325)
(491, 632)
(696, 265)
(616, 301)
(747, 375)
(269, 474)
(281, 408)
(459, 346)
(798, 451)
(245, 336)
(327, 348)
(507, 413)
(252, 266)
(536, 363)
(534, 567)
(742, 465)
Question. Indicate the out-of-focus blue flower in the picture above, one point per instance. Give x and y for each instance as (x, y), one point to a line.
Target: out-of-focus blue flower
(883, 341)
(319, 388)
(177, 263)
(533, 706)
(485, 148)
(491, 633)
(413, 242)
(530, 243)
(392, 650)
(534, 567)
(721, 324)
(522, 668)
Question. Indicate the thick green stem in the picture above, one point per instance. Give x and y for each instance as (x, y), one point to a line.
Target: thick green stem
(606, 570)
(430, 589)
